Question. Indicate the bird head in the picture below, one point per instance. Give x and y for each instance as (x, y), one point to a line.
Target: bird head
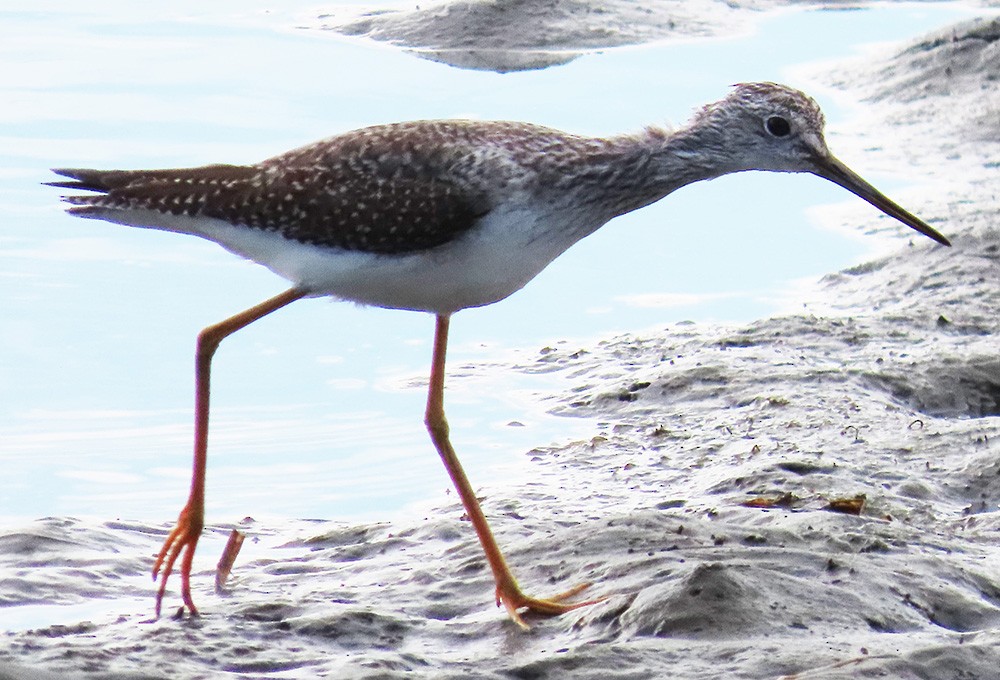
(766, 126)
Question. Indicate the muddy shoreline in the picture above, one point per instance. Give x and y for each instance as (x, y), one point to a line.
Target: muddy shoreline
(703, 506)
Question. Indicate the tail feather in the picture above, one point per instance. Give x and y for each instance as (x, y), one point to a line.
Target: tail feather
(88, 179)
(122, 190)
(84, 179)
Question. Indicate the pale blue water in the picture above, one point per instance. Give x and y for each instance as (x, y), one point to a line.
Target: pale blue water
(318, 410)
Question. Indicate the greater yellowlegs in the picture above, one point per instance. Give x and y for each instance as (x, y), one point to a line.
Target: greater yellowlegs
(438, 216)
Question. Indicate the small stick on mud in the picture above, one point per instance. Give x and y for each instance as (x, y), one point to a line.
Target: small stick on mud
(229, 554)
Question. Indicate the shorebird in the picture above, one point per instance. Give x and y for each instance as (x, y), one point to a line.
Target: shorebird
(439, 216)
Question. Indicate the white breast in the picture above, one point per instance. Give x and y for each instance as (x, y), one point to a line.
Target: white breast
(496, 258)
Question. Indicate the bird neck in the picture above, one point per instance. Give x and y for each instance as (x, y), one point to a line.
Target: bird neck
(640, 169)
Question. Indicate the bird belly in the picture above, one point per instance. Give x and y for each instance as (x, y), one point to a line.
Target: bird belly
(488, 263)
(491, 261)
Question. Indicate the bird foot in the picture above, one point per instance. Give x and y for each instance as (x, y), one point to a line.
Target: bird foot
(181, 540)
(514, 601)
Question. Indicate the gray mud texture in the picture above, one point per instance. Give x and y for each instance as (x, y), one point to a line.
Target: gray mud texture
(516, 35)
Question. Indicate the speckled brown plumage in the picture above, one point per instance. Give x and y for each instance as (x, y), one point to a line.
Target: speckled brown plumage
(385, 189)
(412, 187)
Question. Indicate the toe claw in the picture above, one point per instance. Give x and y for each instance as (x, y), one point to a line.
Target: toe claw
(181, 540)
(515, 601)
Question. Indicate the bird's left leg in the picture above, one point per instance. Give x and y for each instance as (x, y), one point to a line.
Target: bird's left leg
(185, 535)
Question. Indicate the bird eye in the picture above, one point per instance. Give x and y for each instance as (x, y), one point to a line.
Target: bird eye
(778, 126)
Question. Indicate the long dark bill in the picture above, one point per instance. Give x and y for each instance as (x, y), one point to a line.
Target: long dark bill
(832, 169)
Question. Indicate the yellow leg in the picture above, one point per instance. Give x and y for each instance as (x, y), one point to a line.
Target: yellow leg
(184, 537)
(507, 590)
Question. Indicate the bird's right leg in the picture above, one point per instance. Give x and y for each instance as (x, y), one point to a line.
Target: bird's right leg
(508, 592)
(184, 537)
